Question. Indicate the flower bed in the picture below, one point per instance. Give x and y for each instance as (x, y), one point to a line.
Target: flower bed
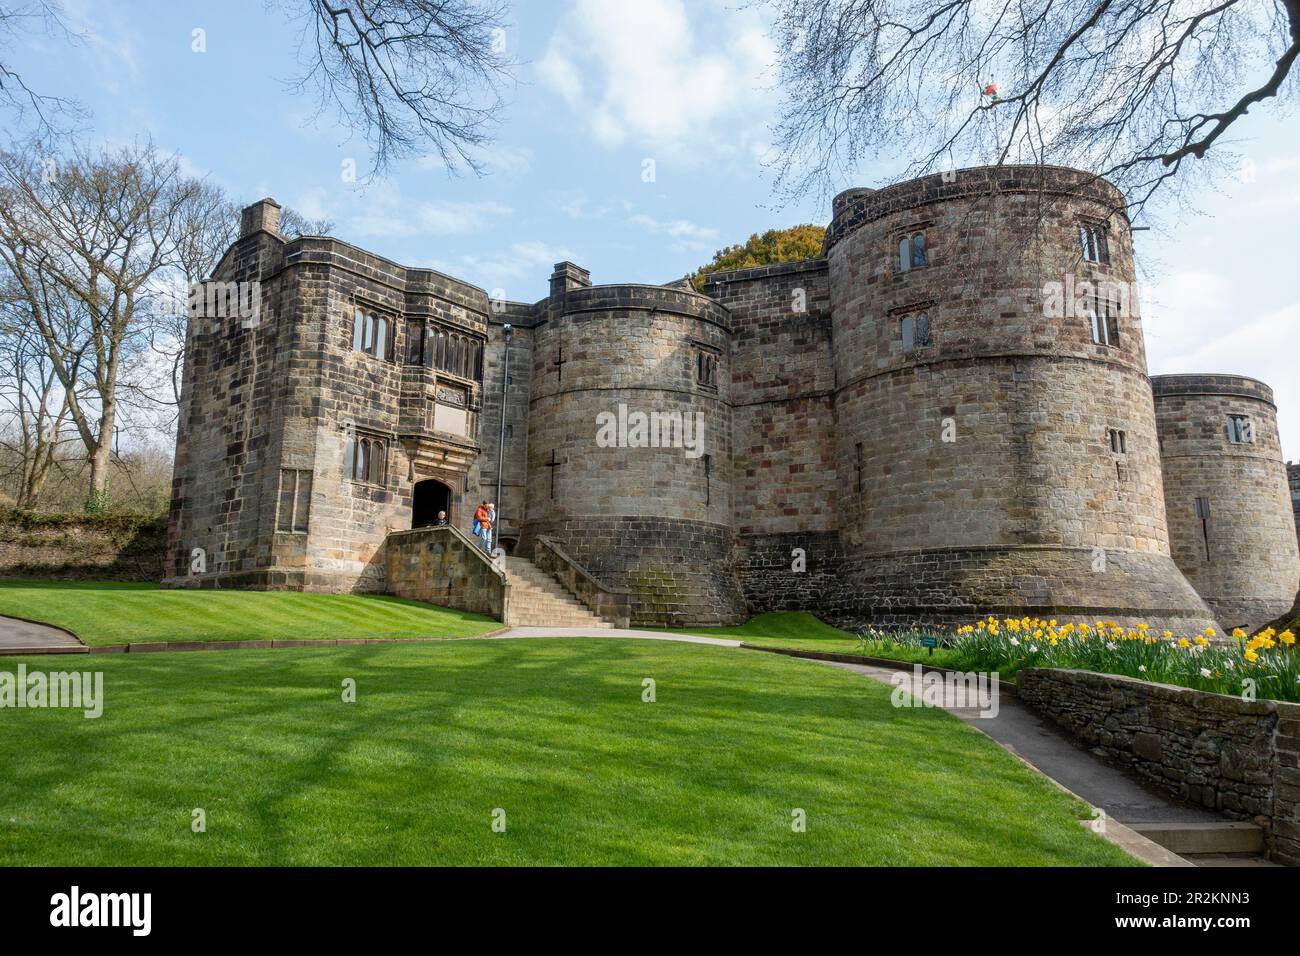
(1264, 666)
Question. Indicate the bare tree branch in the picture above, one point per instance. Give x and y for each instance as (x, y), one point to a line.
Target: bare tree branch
(408, 75)
(19, 22)
(1125, 89)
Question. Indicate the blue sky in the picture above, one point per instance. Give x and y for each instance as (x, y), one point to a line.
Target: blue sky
(604, 86)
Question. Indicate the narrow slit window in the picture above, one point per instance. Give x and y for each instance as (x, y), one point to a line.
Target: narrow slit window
(358, 331)
(1203, 515)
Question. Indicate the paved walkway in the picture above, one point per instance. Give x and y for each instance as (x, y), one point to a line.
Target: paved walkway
(24, 637)
(610, 632)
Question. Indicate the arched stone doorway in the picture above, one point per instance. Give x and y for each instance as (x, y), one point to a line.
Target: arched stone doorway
(428, 497)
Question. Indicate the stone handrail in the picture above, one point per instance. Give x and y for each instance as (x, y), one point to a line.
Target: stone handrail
(610, 604)
(444, 565)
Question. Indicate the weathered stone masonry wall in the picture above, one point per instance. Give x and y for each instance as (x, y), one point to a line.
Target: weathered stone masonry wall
(783, 422)
(282, 399)
(1243, 559)
(1239, 757)
(76, 547)
(656, 521)
(1293, 479)
(1008, 513)
(444, 566)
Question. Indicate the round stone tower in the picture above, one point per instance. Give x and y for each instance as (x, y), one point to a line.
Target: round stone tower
(1231, 526)
(996, 432)
(629, 445)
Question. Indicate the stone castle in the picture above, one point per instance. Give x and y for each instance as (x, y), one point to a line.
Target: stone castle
(948, 414)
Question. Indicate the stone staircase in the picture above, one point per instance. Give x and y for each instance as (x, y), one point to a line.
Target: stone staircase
(538, 600)
(1221, 843)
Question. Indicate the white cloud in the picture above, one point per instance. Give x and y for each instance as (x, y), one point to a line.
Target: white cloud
(382, 211)
(503, 269)
(1186, 308)
(1217, 339)
(446, 218)
(639, 73)
(511, 162)
(690, 237)
(560, 74)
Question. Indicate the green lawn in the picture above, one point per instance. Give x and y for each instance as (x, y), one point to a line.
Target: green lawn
(106, 613)
(554, 732)
(799, 630)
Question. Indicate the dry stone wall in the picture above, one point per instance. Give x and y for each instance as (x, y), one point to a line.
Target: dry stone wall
(1236, 756)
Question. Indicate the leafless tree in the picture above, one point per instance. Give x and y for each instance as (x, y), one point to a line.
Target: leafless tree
(24, 105)
(294, 224)
(407, 74)
(208, 225)
(33, 408)
(1131, 90)
(86, 239)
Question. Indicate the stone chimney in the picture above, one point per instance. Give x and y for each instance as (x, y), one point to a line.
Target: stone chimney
(262, 216)
(569, 276)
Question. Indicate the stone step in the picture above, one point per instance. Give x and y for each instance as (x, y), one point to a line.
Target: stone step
(524, 591)
(538, 600)
(536, 581)
(527, 585)
(1227, 837)
(563, 610)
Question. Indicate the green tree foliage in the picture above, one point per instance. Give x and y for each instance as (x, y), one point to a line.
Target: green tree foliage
(775, 245)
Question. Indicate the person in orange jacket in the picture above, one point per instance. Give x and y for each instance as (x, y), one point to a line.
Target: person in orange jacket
(483, 525)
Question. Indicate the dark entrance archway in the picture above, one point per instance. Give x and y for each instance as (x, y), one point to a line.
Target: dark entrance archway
(428, 497)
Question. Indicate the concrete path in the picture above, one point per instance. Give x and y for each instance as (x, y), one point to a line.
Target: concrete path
(610, 632)
(23, 637)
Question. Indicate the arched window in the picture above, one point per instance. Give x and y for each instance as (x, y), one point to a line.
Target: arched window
(911, 252)
(371, 333)
(358, 331)
(414, 342)
(1092, 239)
(915, 331)
(364, 460)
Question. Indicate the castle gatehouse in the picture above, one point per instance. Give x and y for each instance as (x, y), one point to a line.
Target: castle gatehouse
(948, 414)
